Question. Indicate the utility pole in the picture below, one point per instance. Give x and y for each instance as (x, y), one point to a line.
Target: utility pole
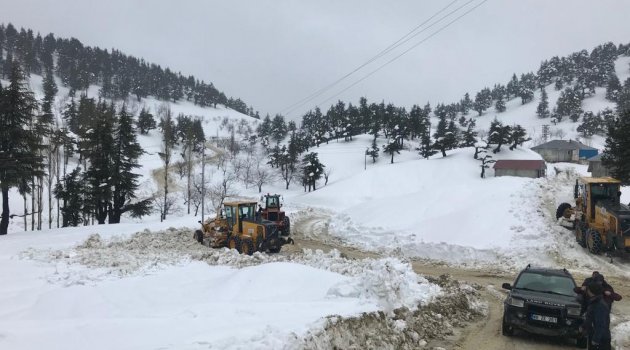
(365, 159)
(203, 179)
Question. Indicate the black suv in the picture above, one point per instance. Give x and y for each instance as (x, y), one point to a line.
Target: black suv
(542, 301)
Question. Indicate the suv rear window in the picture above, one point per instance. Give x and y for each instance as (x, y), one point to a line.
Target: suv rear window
(546, 283)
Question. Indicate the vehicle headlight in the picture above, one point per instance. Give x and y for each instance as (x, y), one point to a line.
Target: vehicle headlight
(574, 311)
(516, 302)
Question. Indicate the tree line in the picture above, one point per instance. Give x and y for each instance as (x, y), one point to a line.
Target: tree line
(100, 184)
(576, 76)
(118, 75)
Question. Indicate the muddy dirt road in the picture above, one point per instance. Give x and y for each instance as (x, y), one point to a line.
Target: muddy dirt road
(310, 232)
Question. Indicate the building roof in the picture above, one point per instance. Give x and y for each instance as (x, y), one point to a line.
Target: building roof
(564, 145)
(597, 158)
(520, 164)
(597, 180)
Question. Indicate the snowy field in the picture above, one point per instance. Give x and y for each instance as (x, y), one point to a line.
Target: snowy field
(164, 291)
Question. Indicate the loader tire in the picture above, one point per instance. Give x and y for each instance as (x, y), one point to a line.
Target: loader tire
(561, 209)
(580, 234)
(286, 230)
(234, 242)
(198, 236)
(594, 241)
(274, 245)
(247, 246)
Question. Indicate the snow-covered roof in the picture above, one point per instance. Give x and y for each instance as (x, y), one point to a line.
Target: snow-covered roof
(563, 145)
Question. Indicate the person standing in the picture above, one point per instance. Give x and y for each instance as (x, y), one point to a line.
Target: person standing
(609, 294)
(597, 319)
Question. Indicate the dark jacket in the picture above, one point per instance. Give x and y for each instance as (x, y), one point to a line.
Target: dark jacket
(609, 294)
(597, 321)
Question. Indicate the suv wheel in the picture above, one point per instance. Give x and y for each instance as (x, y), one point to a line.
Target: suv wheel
(506, 329)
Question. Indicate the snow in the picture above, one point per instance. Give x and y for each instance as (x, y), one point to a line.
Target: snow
(60, 292)
(258, 302)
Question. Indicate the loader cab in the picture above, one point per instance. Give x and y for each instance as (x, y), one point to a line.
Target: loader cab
(238, 214)
(230, 215)
(272, 208)
(599, 192)
(272, 202)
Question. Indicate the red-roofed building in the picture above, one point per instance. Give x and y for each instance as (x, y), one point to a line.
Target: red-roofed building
(521, 168)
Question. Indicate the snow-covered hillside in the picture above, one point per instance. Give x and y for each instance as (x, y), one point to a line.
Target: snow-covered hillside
(61, 289)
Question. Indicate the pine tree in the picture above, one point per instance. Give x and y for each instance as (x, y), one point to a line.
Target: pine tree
(500, 105)
(7, 65)
(513, 87)
(99, 148)
(313, 170)
(124, 182)
(466, 104)
(591, 124)
(452, 137)
(146, 122)
(498, 92)
(426, 147)
(498, 134)
(470, 135)
(543, 107)
(373, 151)
(393, 144)
(526, 94)
(623, 99)
(19, 148)
(517, 136)
(278, 128)
(71, 116)
(483, 101)
(559, 84)
(264, 129)
(569, 104)
(616, 156)
(608, 117)
(70, 191)
(613, 88)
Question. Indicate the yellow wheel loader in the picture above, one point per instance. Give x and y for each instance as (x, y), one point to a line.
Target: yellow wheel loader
(237, 226)
(601, 223)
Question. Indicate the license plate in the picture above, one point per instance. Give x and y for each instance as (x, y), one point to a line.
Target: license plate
(544, 318)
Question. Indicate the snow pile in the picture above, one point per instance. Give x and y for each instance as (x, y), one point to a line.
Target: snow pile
(391, 282)
(621, 336)
(407, 329)
(164, 290)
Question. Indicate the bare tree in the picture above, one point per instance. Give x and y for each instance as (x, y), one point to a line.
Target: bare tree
(223, 188)
(262, 176)
(168, 142)
(197, 193)
(247, 170)
(164, 203)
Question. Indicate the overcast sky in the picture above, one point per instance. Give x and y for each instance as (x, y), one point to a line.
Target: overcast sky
(273, 53)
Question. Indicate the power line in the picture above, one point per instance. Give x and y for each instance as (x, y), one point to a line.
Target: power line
(404, 52)
(388, 49)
